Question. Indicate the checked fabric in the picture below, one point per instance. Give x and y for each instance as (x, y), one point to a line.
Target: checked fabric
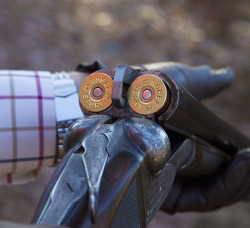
(27, 110)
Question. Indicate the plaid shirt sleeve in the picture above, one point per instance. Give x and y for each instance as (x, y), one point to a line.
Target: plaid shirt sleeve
(27, 124)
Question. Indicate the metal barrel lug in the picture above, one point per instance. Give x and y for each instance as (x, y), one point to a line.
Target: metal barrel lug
(147, 95)
(96, 91)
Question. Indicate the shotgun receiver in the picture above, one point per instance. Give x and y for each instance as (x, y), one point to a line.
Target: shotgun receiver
(140, 129)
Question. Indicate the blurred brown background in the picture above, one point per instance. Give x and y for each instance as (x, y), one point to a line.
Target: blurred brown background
(57, 35)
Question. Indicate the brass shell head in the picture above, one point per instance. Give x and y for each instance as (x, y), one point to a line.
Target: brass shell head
(147, 95)
(95, 92)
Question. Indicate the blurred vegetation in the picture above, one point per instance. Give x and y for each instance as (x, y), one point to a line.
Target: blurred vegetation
(57, 35)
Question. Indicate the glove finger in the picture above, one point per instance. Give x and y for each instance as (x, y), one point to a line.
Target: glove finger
(206, 194)
(202, 82)
(238, 176)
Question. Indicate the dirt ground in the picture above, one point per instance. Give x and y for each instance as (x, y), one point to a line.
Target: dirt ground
(57, 35)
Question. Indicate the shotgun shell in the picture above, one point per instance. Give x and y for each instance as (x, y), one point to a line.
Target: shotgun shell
(147, 95)
(95, 92)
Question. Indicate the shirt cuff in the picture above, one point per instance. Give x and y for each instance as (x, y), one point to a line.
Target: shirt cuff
(66, 97)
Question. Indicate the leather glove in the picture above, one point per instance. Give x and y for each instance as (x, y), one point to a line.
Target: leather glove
(231, 183)
(227, 186)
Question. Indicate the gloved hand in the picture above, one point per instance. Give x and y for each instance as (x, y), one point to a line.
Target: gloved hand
(228, 185)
